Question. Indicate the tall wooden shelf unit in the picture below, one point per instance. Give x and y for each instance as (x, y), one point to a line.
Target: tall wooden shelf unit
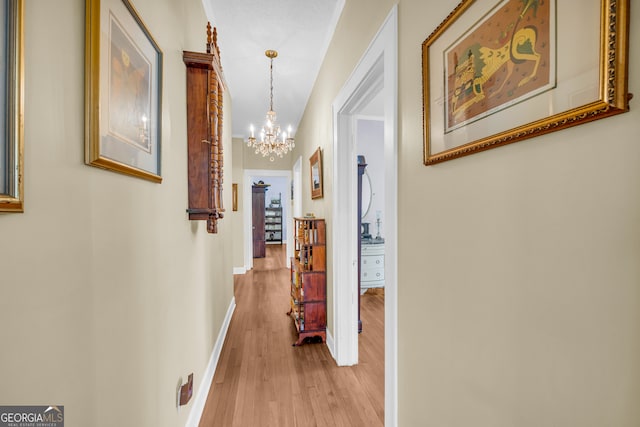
(308, 280)
(257, 215)
(273, 224)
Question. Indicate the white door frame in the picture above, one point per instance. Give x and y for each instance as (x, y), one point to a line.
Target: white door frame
(297, 188)
(377, 70)
(249, 175)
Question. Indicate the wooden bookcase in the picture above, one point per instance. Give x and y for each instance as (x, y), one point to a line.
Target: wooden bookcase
(273, 224)
(308, 280)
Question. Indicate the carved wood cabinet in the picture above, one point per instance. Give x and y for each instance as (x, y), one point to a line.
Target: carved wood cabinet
(308, 280)
(257, 223)
(205, 90)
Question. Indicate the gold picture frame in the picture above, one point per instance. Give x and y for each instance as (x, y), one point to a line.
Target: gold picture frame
(123, 91)
(234, 196)
(460, 74)
(315, 169)
(12, 76)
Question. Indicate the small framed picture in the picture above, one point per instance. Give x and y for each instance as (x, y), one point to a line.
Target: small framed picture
(11, 106)
(234, 196)
(315, 162)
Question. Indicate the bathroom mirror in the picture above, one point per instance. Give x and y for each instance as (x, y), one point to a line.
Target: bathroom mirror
(367, 194)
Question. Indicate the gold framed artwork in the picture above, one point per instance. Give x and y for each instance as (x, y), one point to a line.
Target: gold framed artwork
(315, 163)
(498, 72)
(123, 91)
(234, 196)
(12, 106)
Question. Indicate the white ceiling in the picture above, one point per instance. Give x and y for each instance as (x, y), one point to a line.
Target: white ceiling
(300, 30)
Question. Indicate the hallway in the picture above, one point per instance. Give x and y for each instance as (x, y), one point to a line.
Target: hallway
(262, 380)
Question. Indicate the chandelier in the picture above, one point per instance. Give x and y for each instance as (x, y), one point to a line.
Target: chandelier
(272, 141)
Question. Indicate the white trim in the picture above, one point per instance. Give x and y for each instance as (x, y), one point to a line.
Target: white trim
(333, 24)
(322, 52)
(330, 344)
(368, 118)
(345, 260)
(377, 70)
(246, 229)
(239, 270)
(249, 175)
(203, 391)
(297, 188)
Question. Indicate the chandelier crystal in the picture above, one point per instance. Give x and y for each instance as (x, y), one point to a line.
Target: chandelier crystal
(272, 141)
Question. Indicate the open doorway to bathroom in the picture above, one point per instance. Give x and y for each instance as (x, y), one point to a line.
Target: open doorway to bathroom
(371, 179)
(376, 73)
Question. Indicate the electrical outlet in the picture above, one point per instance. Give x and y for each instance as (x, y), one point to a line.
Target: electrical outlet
(186, 391)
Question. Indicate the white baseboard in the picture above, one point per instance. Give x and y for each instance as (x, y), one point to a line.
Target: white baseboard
(331, 345)
(239, 270)
(203, 391)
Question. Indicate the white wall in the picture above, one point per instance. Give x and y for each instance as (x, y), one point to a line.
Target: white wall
(109, 294)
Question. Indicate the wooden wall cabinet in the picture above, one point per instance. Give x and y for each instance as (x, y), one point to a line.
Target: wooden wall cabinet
(308, 280)
(257, 220)
(205, 89)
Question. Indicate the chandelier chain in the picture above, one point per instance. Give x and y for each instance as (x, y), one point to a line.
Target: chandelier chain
(271, 86)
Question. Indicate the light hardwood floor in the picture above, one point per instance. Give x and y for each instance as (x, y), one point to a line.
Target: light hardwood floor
(262, 381)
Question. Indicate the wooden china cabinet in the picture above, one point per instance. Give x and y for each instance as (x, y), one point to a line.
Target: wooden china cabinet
(308, 298)
(257, 219)
(205, 89)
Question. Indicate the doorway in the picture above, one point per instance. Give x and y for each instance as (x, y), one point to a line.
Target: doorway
(376, 73)
(255, 175)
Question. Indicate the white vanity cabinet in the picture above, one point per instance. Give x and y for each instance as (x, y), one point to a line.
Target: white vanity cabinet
(371, 266)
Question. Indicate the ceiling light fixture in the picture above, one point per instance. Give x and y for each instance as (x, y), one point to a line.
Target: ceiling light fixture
(272, 141)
